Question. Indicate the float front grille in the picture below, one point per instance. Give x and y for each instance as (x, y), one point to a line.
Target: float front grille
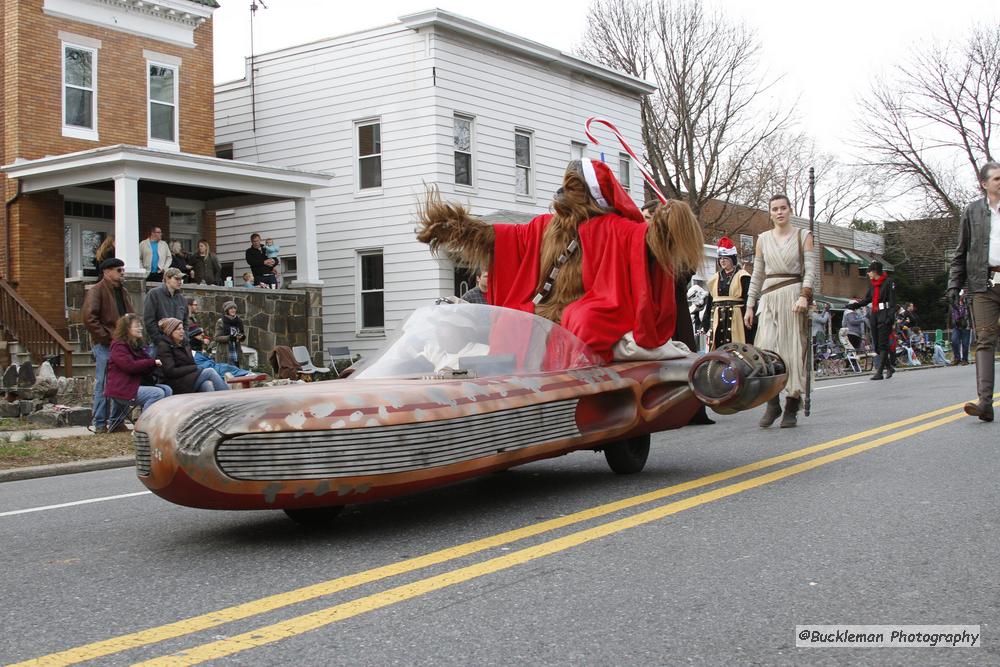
(378, 450)
(142, 452)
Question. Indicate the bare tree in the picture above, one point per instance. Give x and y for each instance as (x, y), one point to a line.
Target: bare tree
(843, 191)
(708, 115)
(928, 124)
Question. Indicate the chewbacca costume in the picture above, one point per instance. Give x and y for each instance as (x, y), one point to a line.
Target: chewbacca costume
(618, 281)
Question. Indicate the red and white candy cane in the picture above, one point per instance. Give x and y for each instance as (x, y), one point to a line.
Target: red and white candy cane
(628, 149)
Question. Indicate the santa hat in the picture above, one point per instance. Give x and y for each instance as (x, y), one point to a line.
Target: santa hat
(607, 191)
(726, 247)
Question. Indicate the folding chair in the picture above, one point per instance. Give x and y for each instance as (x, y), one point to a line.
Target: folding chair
(850, 354)
(338, 352)
(301, 354)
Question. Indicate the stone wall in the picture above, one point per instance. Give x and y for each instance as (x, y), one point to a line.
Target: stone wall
(271, 317)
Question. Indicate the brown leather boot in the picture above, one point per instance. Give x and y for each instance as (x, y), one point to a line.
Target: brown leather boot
(772, 412)
(789, 420)
(983, 408)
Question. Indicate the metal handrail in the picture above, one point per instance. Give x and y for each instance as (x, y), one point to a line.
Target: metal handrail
(31, 330)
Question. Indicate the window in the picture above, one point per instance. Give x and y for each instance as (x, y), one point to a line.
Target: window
(463, 150)
(372, 291)
(746, 247)
(79, 92)
(577, 150)
(845, 270)
(225, 151)
(185, 226)
(522, 162)
(370, 155)
(828, 268)
(162, 105)
(289, 268)
(624, 170)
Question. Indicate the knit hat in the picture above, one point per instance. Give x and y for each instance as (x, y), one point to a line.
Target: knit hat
(168, 324)
(227, 305)
(607, 191)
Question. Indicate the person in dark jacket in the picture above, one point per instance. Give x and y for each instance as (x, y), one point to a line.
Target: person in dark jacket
(179, 368)
(229, 336)
(207, 268)
(128, 366)
(261, 265)
(882, 297)
(180, 260)
(103, 305)
(961, 335)
(165, 301)
(976, 266)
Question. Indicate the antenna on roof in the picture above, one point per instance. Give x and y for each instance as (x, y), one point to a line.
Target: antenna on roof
(253, 106)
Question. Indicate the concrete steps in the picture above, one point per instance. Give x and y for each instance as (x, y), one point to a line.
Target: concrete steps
(83, 362)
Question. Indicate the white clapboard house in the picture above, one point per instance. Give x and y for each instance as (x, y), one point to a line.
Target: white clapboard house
(487, 116)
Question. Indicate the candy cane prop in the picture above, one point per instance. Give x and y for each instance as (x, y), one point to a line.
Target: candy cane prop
(628, 149)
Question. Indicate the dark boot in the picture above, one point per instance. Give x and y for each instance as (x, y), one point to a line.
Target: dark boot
(983, 408)
(883, 360)
(789, 420)
(890, 367)
(772, 412)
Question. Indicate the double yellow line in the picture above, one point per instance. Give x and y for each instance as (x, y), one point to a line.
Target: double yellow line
(305, 623)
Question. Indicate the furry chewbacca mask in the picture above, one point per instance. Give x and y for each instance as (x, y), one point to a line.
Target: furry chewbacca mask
(673, 237)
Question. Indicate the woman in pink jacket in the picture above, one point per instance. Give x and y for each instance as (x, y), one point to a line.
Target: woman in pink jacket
(131, 372)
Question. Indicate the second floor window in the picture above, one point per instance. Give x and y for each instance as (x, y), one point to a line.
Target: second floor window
(522, 162)
(463, 150)
(162, 103)
(372, 290)
(577, 150)
(370, 155)
(624, 170)
(79, 83)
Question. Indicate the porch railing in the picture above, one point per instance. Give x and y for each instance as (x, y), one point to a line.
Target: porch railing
(31, 330)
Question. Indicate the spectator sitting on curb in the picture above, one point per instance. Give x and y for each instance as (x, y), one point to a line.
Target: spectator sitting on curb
(127, 367)
(227, 371)
(179, 368)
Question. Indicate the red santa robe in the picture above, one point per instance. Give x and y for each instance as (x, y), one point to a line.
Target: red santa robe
(623, 290)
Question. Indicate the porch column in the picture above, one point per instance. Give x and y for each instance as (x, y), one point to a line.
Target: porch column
(306, 254)
(127, 223)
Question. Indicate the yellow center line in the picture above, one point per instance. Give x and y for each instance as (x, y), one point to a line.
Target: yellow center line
(272, 602)
(323, 617)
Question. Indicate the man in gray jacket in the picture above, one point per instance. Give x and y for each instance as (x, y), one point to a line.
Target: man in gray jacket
(165, 301)
(977, 264)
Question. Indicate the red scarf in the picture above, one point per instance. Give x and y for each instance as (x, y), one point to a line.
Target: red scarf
(876, 284)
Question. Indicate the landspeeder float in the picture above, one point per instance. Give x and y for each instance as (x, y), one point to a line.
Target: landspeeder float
(463, 391)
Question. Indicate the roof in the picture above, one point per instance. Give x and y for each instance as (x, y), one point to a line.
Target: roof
(207, 3)
(439, 18)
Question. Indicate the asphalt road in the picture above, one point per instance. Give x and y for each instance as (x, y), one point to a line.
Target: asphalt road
(712, 555)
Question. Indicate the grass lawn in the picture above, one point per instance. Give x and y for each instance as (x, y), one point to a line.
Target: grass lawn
(63, 450)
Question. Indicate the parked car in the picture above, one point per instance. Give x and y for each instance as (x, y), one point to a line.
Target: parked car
(462, 391)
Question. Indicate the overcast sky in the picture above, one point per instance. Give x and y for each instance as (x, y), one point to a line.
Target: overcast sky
(827, 52)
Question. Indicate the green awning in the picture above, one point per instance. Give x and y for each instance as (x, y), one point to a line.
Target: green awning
(831, 254)
(836, 302)
(866, 259)
(855, 259)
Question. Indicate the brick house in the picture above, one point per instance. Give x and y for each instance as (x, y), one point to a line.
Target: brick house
(108, 128)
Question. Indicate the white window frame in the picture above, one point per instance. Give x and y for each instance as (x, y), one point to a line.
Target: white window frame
(152, 142)
(530, 194)
(625, 171)
(577, 150)
(75, 131)
(376, 190)
(361, 330)
(471, 152)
